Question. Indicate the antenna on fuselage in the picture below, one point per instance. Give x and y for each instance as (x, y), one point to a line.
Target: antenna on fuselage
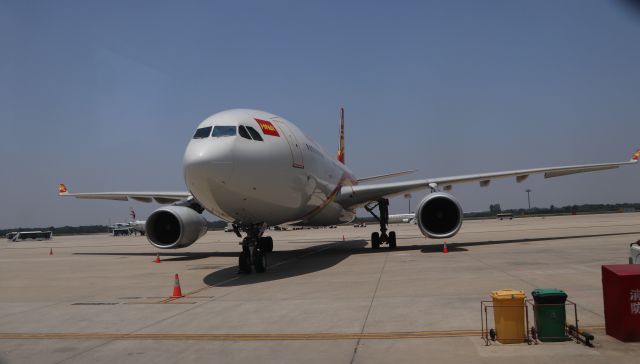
(341, 147)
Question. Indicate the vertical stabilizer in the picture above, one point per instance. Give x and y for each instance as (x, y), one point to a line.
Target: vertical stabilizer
(341, 147)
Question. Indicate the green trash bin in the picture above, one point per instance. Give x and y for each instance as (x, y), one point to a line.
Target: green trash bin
(550, 314)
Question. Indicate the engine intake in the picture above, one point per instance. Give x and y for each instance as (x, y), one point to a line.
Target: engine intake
(439, 215)
(173, 227)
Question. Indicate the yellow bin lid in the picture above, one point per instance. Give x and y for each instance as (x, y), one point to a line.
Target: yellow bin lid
(508, 294)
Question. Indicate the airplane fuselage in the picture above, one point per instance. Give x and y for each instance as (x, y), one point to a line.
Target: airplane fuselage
(285, 177)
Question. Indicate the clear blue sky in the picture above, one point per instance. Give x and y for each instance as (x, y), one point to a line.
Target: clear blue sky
(104, 95)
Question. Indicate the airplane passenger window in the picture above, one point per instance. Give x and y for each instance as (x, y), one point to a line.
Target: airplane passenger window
(243, 132)
(202, 133)
(223, 131)
(254, 133)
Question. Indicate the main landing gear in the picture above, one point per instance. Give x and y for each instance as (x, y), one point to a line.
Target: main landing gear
(380, 238)
(254, 249)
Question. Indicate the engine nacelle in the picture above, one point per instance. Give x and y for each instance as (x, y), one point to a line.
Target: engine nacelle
(439, 215)
(173, 227)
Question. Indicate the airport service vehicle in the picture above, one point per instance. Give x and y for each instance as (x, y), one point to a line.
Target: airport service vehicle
(32, 235)
(255, 169)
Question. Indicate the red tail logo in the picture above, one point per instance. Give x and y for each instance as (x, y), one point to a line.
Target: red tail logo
(341, 147)
(62, 188)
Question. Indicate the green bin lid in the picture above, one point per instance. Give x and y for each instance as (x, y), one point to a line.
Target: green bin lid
(548, 292)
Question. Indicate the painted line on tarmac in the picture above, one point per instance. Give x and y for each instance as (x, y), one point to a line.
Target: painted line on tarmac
(238, 337)
(246, 336)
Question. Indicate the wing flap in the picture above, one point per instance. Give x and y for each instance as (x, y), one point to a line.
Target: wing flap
(577, 170)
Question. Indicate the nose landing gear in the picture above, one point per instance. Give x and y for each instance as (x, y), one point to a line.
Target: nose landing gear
(380, 238)
(254, 249)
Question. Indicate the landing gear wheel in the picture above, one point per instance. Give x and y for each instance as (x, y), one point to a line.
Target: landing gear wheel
(259, 261)
(392, 239)
(244, 265)
(375, 240)
(265, 244)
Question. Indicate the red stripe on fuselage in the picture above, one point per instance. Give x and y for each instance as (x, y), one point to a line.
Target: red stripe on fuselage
(346, 177)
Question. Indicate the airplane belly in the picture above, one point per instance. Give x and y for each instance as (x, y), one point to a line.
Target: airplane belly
(331, 214)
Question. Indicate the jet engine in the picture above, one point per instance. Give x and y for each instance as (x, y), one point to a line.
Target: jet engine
(439, 215)
(173, 227)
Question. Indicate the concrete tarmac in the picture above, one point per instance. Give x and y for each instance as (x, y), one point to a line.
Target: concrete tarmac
(323, 300)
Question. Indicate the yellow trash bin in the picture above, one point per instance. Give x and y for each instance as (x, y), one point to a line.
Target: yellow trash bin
(508, 313)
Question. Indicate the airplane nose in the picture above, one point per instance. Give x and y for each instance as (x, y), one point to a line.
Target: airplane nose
(207, 161)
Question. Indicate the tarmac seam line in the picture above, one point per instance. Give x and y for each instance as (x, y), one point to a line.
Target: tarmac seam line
(364, 324)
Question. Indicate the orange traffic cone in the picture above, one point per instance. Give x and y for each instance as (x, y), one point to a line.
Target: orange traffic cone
(177, 292)
(50, 251)
(157, 258)
(444, 248)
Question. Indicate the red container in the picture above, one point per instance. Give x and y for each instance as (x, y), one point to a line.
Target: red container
(621, 293)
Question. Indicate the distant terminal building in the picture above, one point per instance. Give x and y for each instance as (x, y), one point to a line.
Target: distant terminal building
(29, 235)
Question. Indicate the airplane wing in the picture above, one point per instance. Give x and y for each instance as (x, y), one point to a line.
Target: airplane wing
(358, 195)
(383, 176)
(159, 197)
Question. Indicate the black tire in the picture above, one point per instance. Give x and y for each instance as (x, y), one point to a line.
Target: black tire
(243, 263)
(265, 244)
(375, 240)
(260, 261)
(392, 240)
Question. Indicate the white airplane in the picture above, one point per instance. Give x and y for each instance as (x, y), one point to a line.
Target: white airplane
(255, 169)
(137, 225)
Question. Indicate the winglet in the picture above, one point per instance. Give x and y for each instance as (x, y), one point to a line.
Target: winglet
(62, 189)
(341, 147)
(635, 156)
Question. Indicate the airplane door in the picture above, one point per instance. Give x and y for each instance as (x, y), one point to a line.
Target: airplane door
(294, 145)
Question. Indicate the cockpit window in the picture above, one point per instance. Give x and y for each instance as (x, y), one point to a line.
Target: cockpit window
(202, 133)
(254, 133)
(223, 131)
(243, 132)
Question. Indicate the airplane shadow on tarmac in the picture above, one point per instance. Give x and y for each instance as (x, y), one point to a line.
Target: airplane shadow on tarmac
(291, 263)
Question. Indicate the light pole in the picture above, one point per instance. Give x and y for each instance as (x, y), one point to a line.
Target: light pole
(529, 198)
(408, 197)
